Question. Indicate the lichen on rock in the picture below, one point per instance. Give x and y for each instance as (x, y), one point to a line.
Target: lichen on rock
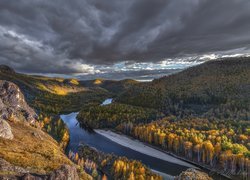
(193, 174)
(5, 130)
(7, 167)
(66, 172)
(13, 104)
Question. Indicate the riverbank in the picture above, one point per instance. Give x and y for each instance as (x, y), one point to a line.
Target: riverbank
(80, 135)
(141, 147)
(153, 151)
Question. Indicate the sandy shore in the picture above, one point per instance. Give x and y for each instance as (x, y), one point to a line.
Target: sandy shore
(140, 147)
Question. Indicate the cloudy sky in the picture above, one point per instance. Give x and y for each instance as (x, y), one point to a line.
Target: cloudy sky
(87, 37)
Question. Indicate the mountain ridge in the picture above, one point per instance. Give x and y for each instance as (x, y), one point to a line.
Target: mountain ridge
(196, 90)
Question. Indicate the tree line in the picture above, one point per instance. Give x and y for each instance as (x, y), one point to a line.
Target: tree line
(113, 167)
(223, 145)
(110, 116)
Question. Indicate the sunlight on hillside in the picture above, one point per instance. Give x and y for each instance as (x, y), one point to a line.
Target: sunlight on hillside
(74, 81)
(98, 81)
(42, 87)
(44, 78)
(31, 148)
(52, 89)
(60, 91)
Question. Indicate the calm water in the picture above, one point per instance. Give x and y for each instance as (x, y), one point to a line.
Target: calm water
(107, 102)
(79, 135)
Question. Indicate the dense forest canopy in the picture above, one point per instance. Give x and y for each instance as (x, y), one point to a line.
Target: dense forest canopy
(110, 116)
(200, 114)
(206, 112)
(215, 89)
(114, 166)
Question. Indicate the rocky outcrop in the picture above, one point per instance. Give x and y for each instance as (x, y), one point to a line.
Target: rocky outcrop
(64, 173)
(13, 107)
(7, 167)
(32, 177)
(193, 174)
(6, 69)
(5, 130)
(13, 104)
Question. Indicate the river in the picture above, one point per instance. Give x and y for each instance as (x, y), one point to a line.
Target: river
(80, 135)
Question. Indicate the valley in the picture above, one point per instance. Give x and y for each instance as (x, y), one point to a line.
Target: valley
(125, 90)
(97, 139)
(199, 117)
(200, 114)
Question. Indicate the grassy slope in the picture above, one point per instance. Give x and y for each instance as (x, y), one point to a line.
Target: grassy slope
(33, 149)
(53, 96)
(199, 90)
(58, 86)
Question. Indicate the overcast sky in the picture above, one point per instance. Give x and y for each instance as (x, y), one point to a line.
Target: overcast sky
(96, 36)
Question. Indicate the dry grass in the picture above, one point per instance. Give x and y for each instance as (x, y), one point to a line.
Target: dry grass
(98, 81)
(74, 81)
(52, 85)
(60, 91)
(32, 149)
(57, 89)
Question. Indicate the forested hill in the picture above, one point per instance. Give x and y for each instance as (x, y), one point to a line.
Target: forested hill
(57, 95)
(112, 86)
(214, 89)
(53, 95)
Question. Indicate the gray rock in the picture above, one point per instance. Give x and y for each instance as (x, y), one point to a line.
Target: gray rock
(66, 172)
(193, 174)
(31, 177)
(5, 130)
(13, 104)
(7, 167)
(8, 177)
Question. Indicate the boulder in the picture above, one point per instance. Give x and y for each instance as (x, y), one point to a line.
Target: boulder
(7, 167)
(5, 130)
(13, 104)
(66, 172)
(9, 177)
(193, 174)
(31, 177)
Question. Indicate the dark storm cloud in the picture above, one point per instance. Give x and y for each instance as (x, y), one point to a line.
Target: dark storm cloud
(74, 36)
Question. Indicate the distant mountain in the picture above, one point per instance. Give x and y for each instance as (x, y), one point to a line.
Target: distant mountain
(53, 95)
(110, 85)
(215, 89)
(57, 86)
(59, 94)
